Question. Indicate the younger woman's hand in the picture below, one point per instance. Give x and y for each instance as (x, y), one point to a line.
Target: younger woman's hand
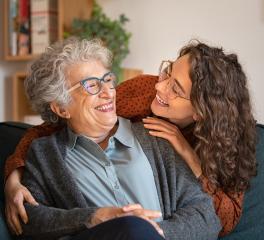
(169, 131)
(15, 195)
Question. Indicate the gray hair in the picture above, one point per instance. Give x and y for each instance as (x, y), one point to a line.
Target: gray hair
(46, 80)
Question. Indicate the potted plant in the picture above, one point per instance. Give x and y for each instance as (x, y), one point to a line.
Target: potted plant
(111, 32)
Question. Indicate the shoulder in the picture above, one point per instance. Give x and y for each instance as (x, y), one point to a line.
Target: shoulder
(45, 147)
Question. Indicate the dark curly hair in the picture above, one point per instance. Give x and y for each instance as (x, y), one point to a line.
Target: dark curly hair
(225, 129)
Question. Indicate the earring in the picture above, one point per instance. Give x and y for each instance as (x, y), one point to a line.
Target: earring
(54, 118)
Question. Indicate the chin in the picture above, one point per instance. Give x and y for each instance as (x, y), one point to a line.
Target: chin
(157, 110)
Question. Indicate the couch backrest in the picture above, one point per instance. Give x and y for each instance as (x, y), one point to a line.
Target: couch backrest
(10, 134)
(251, 224)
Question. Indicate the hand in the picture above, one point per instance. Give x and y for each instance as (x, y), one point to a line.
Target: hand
(169, 131)
(107, 213)
(15, 195)
(138, 210)
(148, 215)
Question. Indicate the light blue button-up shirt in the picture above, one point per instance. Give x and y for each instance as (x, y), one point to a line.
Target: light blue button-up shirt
(119, 175)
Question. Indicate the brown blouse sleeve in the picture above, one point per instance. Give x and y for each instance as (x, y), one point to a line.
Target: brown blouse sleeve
(228, 207)
(135, 96)
(17, 159)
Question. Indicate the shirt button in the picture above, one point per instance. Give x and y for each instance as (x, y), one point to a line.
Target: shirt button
(108, 164)
(116, 186)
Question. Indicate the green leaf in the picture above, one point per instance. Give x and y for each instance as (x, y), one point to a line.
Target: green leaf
(111, 32)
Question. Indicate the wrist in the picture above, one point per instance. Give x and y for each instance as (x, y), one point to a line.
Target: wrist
(193, 161)
(14, 177)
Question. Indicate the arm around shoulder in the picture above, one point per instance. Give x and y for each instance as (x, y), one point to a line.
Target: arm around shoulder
(55, 215)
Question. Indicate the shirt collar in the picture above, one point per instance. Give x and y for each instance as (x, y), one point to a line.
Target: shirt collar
(123, 134)
(72, 138)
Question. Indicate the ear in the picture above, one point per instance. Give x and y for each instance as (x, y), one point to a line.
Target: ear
(195, 117)
(60, 111)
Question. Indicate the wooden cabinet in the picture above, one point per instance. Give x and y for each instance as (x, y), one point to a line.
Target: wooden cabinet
(20, 105)
(67, 11)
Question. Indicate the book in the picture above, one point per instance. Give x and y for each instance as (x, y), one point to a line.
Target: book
(44, 17)
(24, 30)
(13, 27)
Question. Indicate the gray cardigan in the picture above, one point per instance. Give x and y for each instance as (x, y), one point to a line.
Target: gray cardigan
(188, 212)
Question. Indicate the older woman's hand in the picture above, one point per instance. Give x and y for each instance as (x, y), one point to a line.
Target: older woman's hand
(169, 131)
(15, 195)
(107, 213)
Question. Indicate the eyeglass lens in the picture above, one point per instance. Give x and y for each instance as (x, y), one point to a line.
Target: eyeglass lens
(165, 70)
(94, 85)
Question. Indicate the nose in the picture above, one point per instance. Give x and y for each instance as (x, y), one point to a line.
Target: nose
(106, 91)
(163, 86)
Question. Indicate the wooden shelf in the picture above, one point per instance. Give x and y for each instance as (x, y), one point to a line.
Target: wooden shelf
(68, 10)
(28, 57)
(21, 106)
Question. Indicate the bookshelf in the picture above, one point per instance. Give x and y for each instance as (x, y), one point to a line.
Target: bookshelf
(67, 11)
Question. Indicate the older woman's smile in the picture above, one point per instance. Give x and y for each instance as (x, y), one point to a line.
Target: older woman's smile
(108, 107)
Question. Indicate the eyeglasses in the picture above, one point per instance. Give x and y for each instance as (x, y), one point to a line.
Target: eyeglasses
(175, 89)
(93, 85)
(165, 70)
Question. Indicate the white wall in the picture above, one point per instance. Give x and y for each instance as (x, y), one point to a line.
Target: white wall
(160, 28)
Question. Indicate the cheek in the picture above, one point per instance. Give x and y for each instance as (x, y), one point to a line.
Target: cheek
(181, 109)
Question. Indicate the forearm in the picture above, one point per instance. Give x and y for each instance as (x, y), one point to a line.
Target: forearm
(49, 223)
(17, 159)
(228, 207)
(193, 162)
(187, 222)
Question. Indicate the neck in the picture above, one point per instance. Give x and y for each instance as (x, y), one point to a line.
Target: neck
(182, 124)
(100, 138)
(95, 135)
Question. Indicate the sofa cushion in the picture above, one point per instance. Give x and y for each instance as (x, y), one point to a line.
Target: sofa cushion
(251, 224)
(10, 134)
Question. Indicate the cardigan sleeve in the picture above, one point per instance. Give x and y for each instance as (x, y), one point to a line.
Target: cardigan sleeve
(17, 159)
(228, 207)
(49, 220)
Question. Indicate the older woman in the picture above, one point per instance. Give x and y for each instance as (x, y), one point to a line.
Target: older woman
(99, 168)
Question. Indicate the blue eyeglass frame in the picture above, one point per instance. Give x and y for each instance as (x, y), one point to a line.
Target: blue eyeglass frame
(82, 83)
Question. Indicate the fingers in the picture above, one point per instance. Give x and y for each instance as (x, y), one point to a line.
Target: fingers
(155, 225)
(137, 210)
(22, 212)
(158, 121)
(160, 125)
(29, 198)
(16, 223)
(20, 206)
(13, 221)
(151, 214)
(131, 207)
(9, 222)
(159, 134)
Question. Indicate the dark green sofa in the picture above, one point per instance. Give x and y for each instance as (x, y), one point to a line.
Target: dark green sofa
(250, 227)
